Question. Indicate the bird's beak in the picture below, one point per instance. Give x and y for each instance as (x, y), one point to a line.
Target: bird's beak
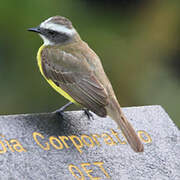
(36, 29)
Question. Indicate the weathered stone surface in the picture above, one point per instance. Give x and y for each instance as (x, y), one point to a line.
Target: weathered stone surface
(41, 146)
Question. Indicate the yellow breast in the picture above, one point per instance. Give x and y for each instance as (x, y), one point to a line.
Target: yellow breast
(57, 88)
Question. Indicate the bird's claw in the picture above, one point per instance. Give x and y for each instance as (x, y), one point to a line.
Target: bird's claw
(61, 110)
(88, 114)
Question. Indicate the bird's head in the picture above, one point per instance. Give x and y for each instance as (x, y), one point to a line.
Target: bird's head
(56, 30)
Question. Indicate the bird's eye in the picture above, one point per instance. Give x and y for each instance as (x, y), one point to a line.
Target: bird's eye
(51, 32)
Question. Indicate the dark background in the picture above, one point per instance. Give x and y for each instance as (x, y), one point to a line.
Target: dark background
(138, 42)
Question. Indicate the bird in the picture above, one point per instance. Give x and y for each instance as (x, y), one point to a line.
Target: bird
(75, 71)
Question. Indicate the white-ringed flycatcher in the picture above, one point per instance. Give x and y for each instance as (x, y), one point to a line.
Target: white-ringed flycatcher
(74, 70)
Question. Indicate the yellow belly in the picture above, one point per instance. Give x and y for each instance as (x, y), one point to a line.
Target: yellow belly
(57, 88)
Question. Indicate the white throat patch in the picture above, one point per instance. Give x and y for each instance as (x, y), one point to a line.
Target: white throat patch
(46, 41)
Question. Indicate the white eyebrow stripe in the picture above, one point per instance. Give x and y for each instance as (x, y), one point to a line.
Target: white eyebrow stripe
(58, 28)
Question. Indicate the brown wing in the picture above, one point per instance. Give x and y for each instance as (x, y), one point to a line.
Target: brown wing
(72, 73)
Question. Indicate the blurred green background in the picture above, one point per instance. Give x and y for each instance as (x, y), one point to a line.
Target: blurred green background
(138, 42)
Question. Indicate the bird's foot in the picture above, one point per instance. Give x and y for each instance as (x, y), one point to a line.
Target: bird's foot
(61, 110)
(88, 114)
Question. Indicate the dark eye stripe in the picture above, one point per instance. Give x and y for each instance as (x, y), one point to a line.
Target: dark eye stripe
(55, 37)
(51, 32)
(47, 32)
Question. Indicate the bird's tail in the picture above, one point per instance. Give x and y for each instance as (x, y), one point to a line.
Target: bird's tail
(115, 112)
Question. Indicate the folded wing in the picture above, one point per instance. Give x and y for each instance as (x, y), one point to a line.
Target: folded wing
(72, 74)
